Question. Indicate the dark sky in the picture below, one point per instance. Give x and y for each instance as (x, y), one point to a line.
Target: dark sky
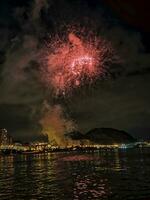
(121, 100)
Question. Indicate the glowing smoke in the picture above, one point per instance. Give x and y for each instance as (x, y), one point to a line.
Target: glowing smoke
(55, 124)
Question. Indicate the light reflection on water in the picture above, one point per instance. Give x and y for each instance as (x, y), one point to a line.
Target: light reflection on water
(75, 176)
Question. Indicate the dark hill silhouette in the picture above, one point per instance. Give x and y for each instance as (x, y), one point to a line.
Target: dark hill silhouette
(102, 136)
(108, 136)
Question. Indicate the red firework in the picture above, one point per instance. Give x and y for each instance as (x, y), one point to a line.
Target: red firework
(72, 62)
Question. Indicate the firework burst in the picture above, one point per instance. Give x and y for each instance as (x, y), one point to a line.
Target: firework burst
(72, 61)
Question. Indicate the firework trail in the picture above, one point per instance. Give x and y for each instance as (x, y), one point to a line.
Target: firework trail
(70, 61)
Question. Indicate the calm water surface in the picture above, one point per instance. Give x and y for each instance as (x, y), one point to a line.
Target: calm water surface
(118, 175)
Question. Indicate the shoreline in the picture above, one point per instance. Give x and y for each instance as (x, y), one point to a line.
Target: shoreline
(85, 149)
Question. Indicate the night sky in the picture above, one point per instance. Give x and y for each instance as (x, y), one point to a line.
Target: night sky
(119, 100)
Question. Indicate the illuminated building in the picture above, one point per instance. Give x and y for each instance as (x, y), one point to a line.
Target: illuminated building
(5, 138)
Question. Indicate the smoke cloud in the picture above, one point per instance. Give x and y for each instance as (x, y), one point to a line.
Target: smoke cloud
(55, 124)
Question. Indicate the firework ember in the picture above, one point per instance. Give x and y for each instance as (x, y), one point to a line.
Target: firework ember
(72, 62)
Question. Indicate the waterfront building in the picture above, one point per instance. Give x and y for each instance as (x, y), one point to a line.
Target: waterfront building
(5, 138)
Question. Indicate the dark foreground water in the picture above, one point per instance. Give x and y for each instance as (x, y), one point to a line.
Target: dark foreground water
(65, 176)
